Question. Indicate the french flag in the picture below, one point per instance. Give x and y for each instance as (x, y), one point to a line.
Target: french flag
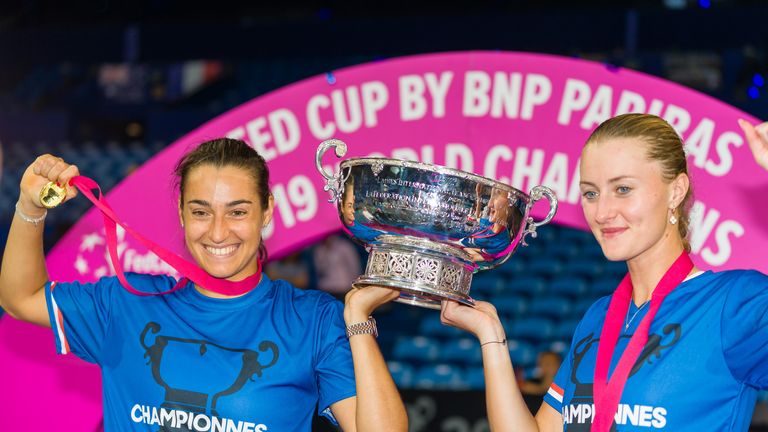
(556, 392)
(61, 338)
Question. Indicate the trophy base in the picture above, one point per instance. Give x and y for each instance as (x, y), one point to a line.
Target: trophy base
(425, 272)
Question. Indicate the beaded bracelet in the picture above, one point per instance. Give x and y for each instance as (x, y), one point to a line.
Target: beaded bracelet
(30, 219)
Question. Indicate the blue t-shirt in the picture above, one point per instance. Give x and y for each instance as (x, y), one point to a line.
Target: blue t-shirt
(185, 361)
(363, 233)
(705, 359)
(486, 239)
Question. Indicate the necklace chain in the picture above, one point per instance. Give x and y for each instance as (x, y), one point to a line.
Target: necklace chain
(627, 321)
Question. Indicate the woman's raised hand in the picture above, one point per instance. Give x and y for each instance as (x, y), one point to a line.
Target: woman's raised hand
(46, 168)
(757, 137)
(482, 320)
(359, 303)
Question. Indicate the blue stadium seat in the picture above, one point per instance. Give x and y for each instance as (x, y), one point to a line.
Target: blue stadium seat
(573, 287)
(530, 372)
(465, 351)
(139, 151)
(513, 267)
(592, 249)
(474, 378)
(487, 283)
(521, 353)
(439, 376)
(108, 173)
(115, 150)
(604, 286)
(583, 267)
(402, 373)
(156, 146)
(430, 325)
(548, 234)
(415, 348)
(615, 269)
(71, 155)
(573, 236)
(563, 251)
(559, 346)
(532, 329)
(510, 304)
(529, 286)
(532, 251)
(581, 306)
(545, 266)
(565, 329)
(554, 307)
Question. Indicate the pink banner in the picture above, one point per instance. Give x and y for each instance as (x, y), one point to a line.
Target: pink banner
(518, 118)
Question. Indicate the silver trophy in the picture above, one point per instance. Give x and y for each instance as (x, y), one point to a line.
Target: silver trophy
(428, 228)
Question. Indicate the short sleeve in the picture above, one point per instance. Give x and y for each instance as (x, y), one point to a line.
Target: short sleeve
(334, 369)
(79, 315)
(555, 393)
(744, 328)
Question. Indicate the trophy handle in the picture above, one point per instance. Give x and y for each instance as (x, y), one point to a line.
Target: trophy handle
(537, 193)
(333, 184)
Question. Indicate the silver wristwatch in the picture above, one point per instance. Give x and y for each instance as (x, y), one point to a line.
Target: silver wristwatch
(366, 327)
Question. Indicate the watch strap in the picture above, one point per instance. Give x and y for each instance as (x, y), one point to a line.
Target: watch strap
(365, 327)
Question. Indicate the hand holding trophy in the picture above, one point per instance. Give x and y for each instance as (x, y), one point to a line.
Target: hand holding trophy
(428, 228)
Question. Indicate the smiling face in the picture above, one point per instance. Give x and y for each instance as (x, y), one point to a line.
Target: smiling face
(223, 216)
(348, 205)
(626, 201)
(499, 208)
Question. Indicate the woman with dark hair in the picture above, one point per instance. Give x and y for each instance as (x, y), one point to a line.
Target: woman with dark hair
(674, 347)
(195, 359)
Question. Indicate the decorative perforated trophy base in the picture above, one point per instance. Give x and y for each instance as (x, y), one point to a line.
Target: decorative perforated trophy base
(425, 272)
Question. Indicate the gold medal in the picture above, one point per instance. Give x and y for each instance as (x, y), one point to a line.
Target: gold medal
(52, 195)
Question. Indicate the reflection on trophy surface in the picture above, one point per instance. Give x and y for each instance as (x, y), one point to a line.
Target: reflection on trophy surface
(361, 232)
(428, 228)
(491, 235)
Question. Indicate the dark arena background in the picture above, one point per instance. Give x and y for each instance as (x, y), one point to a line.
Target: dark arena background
(107, 85)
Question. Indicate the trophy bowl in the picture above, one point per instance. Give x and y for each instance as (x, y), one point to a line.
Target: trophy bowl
(428, 228)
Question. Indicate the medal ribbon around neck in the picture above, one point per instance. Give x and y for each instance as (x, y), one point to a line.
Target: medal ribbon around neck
(607, 393)
(189, 270)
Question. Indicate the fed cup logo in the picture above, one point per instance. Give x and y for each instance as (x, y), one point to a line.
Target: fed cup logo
(93, 259)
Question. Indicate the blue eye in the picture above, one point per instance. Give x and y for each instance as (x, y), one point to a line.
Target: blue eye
(623, 190)
(590, 195)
